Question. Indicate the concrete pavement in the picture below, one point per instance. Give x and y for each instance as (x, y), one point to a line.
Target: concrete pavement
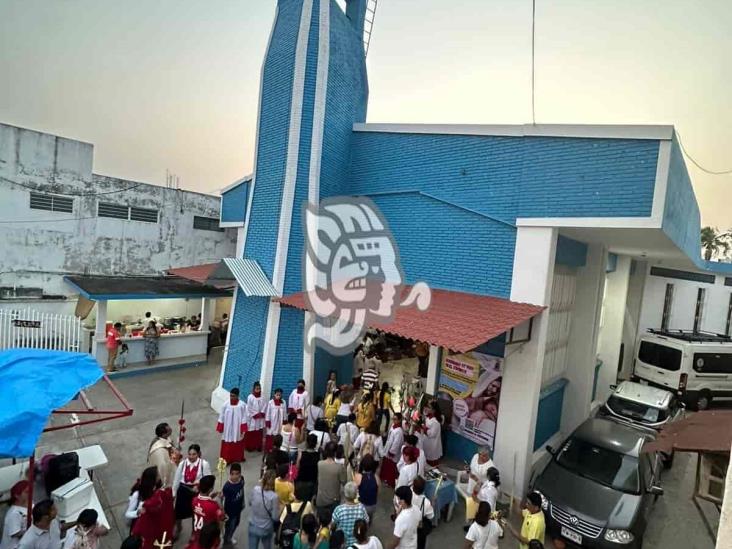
(675, 522)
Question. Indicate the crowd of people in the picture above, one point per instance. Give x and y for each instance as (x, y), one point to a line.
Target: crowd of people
(323, 466)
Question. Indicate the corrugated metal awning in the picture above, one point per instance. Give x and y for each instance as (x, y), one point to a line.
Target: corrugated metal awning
(250, 277)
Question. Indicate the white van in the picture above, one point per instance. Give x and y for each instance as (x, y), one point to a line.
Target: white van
(698, 366)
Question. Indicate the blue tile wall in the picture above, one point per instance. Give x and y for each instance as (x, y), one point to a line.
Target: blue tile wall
(289, 353)
(345, 102)
(245, 341)
(681, 219)
(510, 177)
(234, 204)
(570, 252)
(449, 247)
(277, 76)
(549, 416)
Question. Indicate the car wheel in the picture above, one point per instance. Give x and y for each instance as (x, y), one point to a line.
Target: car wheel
(704, 400)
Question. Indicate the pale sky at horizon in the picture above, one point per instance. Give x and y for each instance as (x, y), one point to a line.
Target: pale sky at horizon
(173, 84)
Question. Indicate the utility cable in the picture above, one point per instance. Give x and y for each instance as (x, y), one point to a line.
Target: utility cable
(702, 168)
(73, 194)
(533, 64)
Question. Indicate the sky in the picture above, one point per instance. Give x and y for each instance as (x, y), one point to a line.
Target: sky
(173, 84)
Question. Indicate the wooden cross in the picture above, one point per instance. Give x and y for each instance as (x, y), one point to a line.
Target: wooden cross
(162, 544)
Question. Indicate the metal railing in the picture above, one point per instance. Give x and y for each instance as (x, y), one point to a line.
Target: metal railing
(33, 329)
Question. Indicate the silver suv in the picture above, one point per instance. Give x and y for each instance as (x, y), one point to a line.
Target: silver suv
(643, 407)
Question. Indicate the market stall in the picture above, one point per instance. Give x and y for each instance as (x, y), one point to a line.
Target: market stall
(174, 305)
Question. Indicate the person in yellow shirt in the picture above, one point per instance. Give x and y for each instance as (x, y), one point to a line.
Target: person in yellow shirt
(383, 405)
(284, 488)
(331, 406)
(366, 412)
(533, 526)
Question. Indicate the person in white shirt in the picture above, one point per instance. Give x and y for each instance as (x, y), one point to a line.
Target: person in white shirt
(233, 424)
(477, 474)
(185, 483)
(256, 412)
(87, 532)
(413, 442)
(349, 427)
(406, 521)
(16, 517)
(363, 540)
(488, 490)
(433, 436)
(321, 433)
(314, 413)
(366, 442)
(274, 418)
(485, 532)
(392, 451)
(45, 532)
(298, 402)
(426, 512)
(408, 468)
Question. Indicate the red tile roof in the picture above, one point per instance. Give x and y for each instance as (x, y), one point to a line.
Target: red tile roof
(197, 273)
(456, 320)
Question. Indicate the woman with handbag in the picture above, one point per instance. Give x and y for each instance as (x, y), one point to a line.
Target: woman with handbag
(264, 511)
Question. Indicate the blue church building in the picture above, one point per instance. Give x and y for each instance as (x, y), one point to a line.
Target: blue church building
(534, 214)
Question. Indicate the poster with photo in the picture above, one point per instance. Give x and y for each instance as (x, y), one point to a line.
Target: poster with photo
(472, 381)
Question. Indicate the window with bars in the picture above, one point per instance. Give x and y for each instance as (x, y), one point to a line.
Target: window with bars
(206, 223)
(699, 311)
(668, 302)
(130, 213)
(51, 203)
(143, 214)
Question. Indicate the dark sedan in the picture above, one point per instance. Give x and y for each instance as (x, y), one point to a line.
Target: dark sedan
(599, 488)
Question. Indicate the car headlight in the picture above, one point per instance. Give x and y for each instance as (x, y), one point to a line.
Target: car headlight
(544, 501)
(618, 536)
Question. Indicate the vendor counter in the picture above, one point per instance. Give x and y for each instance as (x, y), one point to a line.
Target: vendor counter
(172, 347)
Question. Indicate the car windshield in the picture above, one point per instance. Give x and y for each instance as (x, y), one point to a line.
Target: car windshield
(636, 411)
(618, 471)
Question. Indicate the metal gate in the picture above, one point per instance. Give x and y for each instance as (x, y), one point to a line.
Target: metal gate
(37, 330)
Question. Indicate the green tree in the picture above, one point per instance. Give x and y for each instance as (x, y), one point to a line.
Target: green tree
(714, 243)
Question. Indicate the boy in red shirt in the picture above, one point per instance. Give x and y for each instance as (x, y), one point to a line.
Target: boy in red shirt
(206, 510)
(113, 336)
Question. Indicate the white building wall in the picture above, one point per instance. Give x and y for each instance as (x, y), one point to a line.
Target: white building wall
(716, 304)
(611, 325)
(40, 247)
(533, 271)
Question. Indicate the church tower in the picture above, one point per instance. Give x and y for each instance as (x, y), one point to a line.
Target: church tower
(313, 89)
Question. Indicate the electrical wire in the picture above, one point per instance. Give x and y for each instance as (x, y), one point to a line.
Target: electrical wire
(47, 220)
(533, 70)
(702, 168)
(72, 194)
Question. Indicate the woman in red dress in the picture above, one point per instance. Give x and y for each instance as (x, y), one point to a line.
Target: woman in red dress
(155, 517)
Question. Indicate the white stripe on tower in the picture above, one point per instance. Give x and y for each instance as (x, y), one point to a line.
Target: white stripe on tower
(288, 197)
(316, 155)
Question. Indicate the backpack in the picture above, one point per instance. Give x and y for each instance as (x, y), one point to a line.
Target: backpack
(61, 469)
(290, 526)
(368, 446)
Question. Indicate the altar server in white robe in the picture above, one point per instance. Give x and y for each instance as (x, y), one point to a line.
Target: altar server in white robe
(232, 425)
(274, 417)
(256, 409)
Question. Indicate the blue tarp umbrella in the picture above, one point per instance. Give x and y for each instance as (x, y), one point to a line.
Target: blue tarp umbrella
(33, 383)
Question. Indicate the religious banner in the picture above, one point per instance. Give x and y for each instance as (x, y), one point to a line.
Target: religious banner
(472, 381)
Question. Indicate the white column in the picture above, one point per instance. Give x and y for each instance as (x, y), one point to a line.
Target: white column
(100, 333)
(208, 311)
(533, 271)
(582, 351)
(433, 369)
(611, 331)
(308, 358)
